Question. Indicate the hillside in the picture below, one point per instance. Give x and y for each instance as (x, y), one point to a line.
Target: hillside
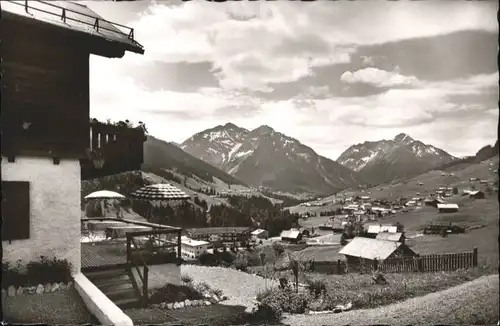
(264, 157)
(454, 176)
(397, 158)
(160, 155)
(484, 153)
(238, 208)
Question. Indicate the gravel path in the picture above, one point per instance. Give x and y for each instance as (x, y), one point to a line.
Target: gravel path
(241, 288)
(475, 302)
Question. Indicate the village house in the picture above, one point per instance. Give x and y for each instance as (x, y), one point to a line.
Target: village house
(433, 202)
(46, 123)
(192, 249)
(389, 236)
(228, 235)
(364, 252)
(466, 192)
(476, 194)
(260, 234)
(447, 208)
(374, 229)
(292, 235)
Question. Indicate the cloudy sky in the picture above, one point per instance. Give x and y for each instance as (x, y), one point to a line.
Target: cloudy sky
(330, 74)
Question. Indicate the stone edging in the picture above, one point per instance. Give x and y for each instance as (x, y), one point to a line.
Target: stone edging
(12, 291)
(209, 300)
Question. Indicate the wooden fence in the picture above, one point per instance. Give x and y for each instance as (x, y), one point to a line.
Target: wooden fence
(429, 263)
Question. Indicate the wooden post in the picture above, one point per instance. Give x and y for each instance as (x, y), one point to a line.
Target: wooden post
(338, 267)
(145, 295)
(179, 247)
(129, 248)
(474, 257)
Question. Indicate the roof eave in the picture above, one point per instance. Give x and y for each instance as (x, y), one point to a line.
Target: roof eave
(121, 47)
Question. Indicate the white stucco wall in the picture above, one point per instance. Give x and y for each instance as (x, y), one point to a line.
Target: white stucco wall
(54, 209)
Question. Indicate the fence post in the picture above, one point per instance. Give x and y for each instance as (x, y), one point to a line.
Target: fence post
(145, 294)
(129, 248)
(179, 247)
(474, 257)
(375, 265)
(338, 267)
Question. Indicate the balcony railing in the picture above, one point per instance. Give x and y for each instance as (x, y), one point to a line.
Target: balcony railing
(120, 241)
(113, 149)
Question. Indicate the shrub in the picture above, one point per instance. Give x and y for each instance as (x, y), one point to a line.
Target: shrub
(186, 279)
(38, 272)
(252, 258)
(278, 248)
(343, 239)
(240, 264)
(227, 257)
(283, 300)
(49, 271)
(316, 287)
(175, 293)
(208, 259)
(11, 275)
(204, 288)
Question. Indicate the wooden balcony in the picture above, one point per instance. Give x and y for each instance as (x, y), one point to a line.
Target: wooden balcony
(112, 149)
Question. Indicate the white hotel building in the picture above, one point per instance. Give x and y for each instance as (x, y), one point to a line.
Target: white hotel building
(192, 249)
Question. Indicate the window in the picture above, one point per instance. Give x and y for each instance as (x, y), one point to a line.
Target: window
(15, 210)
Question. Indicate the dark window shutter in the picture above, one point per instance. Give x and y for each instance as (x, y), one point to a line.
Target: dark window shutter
(15, 210)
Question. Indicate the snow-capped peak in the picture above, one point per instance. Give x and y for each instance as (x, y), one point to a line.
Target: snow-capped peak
(403, 138)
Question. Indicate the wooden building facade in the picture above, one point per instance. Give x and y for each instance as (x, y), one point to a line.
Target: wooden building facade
(45, 121)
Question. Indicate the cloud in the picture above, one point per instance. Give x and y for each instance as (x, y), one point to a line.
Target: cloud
(377, 77)
(246, 53)
(254, 44)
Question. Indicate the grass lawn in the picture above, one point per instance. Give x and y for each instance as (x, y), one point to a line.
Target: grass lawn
(472, 303)
(363, 293)
(65, 307)
(213, 315)
(150, 316)
(485, 239)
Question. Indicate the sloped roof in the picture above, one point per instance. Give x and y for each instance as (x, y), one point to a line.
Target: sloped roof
(191, 242)
(79, 18)
(445, 206)
(389, 236)
(370, 248)
(258, 231)
(217, 230)
(290, 234)
(382, 228)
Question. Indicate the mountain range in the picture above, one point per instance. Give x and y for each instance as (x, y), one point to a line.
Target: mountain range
(264, 157)
(387, 160)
